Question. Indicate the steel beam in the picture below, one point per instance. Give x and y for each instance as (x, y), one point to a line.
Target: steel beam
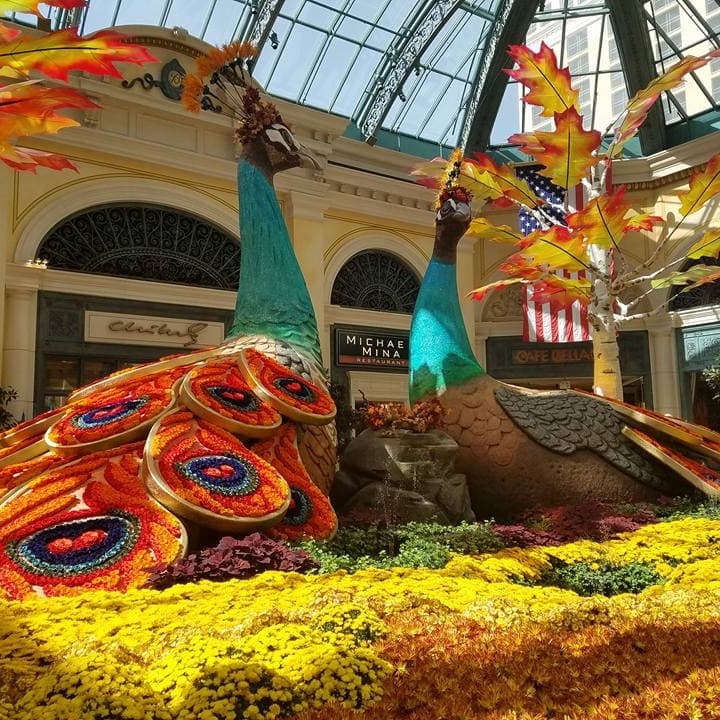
(399, 62)
(634, 46)
(509, 28)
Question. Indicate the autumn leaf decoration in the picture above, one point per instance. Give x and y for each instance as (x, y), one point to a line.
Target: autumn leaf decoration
(29, 108)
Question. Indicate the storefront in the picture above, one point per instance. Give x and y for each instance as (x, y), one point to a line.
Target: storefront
(570, 365)
(370, 364)
(80, 339)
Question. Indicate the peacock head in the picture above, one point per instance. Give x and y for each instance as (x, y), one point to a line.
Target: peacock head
(282, 149)
(452, 219)
(223, 84)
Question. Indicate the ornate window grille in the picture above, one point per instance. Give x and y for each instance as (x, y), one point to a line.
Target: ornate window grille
(376, 280)
(146, 242)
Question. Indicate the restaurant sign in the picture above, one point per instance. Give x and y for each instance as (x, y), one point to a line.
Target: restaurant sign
(106, 327)
(372, 348)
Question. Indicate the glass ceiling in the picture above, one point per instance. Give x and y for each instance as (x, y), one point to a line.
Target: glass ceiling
(418, 75)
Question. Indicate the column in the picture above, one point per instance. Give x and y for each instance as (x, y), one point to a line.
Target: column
(18, 367)
(466, 283)
(6, 245)
(305, 210)
(664, 365)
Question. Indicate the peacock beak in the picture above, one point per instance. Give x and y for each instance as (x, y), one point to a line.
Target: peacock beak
(307, 158)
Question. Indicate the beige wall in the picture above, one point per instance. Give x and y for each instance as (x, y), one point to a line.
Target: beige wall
(142, 147)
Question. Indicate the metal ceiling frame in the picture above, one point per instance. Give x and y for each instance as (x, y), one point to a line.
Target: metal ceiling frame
(509, 28)
(632, 38)
(400, 60)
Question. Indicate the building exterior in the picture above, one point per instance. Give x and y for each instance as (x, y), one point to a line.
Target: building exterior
(135, 256)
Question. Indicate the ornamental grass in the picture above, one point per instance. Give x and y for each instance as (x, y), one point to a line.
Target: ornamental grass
(477, 639)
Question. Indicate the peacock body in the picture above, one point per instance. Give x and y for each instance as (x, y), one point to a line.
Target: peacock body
(234, 438)
(523, 448)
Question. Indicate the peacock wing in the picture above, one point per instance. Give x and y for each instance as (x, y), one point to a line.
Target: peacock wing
(121, 413)
(207, 475)
(566, 421)
(310, 513)
(217, 391)
(88, 524)
(296, 397)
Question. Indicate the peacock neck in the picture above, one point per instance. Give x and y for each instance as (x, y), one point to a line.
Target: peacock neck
(272, 296)
(440, 353)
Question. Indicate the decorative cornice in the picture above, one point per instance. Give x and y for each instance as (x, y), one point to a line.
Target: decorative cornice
(664, 180)
(166, 44)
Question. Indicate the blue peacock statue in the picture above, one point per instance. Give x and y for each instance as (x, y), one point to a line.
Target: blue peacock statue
(234, 438)
(522, 448)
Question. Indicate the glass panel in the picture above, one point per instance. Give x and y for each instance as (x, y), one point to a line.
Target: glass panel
(225, 20)
(508, 117)
(99, 15)
(193, 22)
(94, 369)
(295, 61)
(332, 71)
(133, 12)
(363, 68)
(318, 16)
(62, 374)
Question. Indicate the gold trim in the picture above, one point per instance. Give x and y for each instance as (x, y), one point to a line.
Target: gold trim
(24, 454)
(165, 43)
(658, 182)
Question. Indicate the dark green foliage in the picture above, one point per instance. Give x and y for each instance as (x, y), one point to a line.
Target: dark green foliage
(607, 579)
(412, 545)
(687, 507)
(6, 418)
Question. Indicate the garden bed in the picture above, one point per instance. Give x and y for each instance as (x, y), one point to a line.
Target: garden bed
(486, 632)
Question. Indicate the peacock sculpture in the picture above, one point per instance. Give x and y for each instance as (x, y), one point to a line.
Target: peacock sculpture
(522, 448)
(234, 438)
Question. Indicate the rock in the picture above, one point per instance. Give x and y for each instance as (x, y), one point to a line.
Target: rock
(400, 477)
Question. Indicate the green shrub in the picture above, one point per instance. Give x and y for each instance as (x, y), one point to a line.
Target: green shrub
(607, 579)
(413, 545)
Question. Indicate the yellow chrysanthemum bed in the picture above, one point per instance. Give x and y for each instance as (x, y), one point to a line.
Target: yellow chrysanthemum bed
(473, 640)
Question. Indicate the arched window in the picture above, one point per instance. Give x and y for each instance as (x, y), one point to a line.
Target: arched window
(147, 242)
(376, 280)
(707, 294)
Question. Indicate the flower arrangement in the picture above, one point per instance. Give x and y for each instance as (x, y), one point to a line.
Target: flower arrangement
(116, 410)
(211, 469)
(281, 385)
(86, 524)
(310, 513)
(420, 417)
(220, 386)
(385, 643)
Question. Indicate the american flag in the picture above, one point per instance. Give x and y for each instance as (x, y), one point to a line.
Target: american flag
(541, 323)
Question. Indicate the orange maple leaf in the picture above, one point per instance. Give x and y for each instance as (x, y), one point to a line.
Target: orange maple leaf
(7, 33)
(481, 292)
(430, 173)
(561, 292)
(555, 248)
(31, 6)
(642, 221)
(31, 109)
(27, 159)
(696, 275)
(639, 105)
(502, 178)
(57, 54)
(602, 221)
(519, 266)
(707, 246)
(484, 230)
(549, 86)
(566, 153)
(704, 185)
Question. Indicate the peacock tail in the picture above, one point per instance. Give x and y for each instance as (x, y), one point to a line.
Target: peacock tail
(235, 438)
